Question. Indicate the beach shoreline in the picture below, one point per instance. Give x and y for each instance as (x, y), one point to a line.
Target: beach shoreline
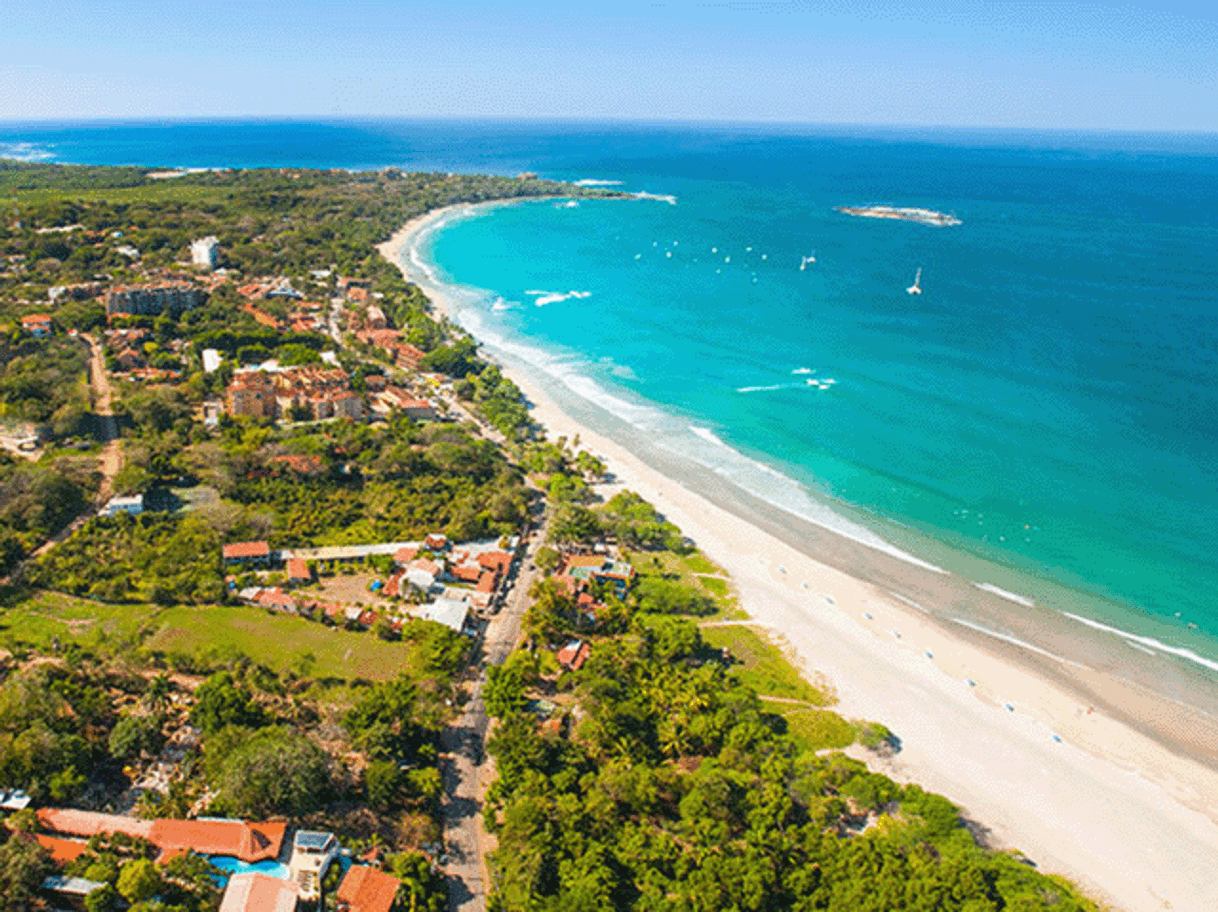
(1113, 805)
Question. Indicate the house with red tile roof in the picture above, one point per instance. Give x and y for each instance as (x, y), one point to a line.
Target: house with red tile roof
(366, 889)
(574, 654)
(258, 552)
(251, 842)
(254, 892)
(37, 324)
(405, 555)
(298, 570)
(486, 582)
(466, 573)
(62, 850)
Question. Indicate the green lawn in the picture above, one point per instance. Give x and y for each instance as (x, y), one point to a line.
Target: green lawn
(209, 635)
(700, 563)
(762, 665)
(37, 622)
(212, 634)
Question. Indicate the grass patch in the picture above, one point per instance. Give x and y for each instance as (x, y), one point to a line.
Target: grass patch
(820, 729)
(699, 563)
(214, 634)
(716, 586)
(762, 666)
(45, 618)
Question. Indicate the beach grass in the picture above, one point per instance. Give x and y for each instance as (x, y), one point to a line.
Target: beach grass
(762, 665)
(820, 729)
(697, 572)
(700, 563)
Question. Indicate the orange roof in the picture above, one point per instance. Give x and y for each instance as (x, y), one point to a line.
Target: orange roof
(574, 654)
(467, 573)
(30, 319)
(366, 889)
(248, 841)
(405, 555)
(247, 549)
(298, 568)
(586, 560)
(496, 560)
(62, 850)
(486, 582)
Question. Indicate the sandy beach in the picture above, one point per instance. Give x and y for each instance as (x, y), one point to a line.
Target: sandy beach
(1090, 776)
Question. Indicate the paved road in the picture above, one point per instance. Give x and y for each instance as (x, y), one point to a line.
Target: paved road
(467, 771)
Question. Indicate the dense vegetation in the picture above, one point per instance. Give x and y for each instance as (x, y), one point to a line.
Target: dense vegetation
(147, 558)
(675, 790)
(37, 499)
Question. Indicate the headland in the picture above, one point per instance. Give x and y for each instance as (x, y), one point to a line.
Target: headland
(1092, 776)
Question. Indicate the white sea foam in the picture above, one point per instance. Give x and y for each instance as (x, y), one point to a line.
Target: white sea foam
(803, 370)
(25, 151)
(1151, 642)
(1012, 640)
(554, 297)
(1009, 596)
(763, 389)
(591, 182)
(660, 197)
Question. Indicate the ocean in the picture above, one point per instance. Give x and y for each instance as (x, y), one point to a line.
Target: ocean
(1042, 418)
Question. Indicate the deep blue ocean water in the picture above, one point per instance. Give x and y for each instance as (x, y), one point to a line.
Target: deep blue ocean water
(1045, 414)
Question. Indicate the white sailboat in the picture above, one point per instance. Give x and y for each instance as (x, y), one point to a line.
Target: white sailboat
(804, 261)
(916, 287)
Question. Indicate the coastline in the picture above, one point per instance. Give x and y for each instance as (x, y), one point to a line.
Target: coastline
(1112, 806)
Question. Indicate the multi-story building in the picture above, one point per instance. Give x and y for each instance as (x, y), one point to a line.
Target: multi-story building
(205, 252)
(153, 299)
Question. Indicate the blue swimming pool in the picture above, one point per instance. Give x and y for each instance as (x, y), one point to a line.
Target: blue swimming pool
(231, 866)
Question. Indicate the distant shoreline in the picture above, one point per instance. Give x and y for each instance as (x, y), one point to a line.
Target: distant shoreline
(841, 605)
(921, 216)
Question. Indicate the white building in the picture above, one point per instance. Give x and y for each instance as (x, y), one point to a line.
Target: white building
(211, 360)
(312, 853)
(449, 612)
(204, 252)
(133, 504)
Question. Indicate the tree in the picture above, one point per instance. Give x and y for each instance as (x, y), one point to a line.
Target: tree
(276, 772)
(220, 701)
(384, 781)
(139, 880)
(133, 736)
(23, 865)
(548, 559)
(504, 692)
(423, 887)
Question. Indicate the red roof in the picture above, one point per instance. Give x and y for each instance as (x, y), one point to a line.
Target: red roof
(250, 842)
(298, 569)
(467, 573)
(486, 583)
(62, 850)
(496, 560)
(366, 889)
(247, 549)
(574, 654)
(35, 319)
(405, 555)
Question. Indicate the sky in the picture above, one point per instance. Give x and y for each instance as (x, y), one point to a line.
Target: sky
(1054, 65)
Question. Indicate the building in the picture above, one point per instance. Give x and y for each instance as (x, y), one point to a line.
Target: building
(312, 853)
(253, 892)
(69, 891)
(395, 399)
(374, 317)
(250, 842)
(211, 360)
(205, 252)
(449, 612)
(38, 325)
(252, 394)
(255, 552)
(131, 503)
(366, 889)
(154, 299)
(298, 570)
(574, 654)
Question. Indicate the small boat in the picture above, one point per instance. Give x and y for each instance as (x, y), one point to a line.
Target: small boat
(916, 287)
(804, 261)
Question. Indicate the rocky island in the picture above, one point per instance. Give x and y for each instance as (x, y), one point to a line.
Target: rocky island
(921, 216)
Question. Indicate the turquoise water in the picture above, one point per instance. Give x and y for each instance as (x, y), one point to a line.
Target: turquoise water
(1048, 405)
(1042, 417)
(231, 866)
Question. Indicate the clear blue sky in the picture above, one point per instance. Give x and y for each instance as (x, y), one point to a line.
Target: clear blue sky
(1038, 64)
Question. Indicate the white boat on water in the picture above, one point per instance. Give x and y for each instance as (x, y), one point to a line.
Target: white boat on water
(804, 261)
(916, 287)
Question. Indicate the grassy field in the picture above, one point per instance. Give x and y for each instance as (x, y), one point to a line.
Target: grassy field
(762, 665)
(38, 622)
(693, 570)
(213, 634)
(208, 636)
